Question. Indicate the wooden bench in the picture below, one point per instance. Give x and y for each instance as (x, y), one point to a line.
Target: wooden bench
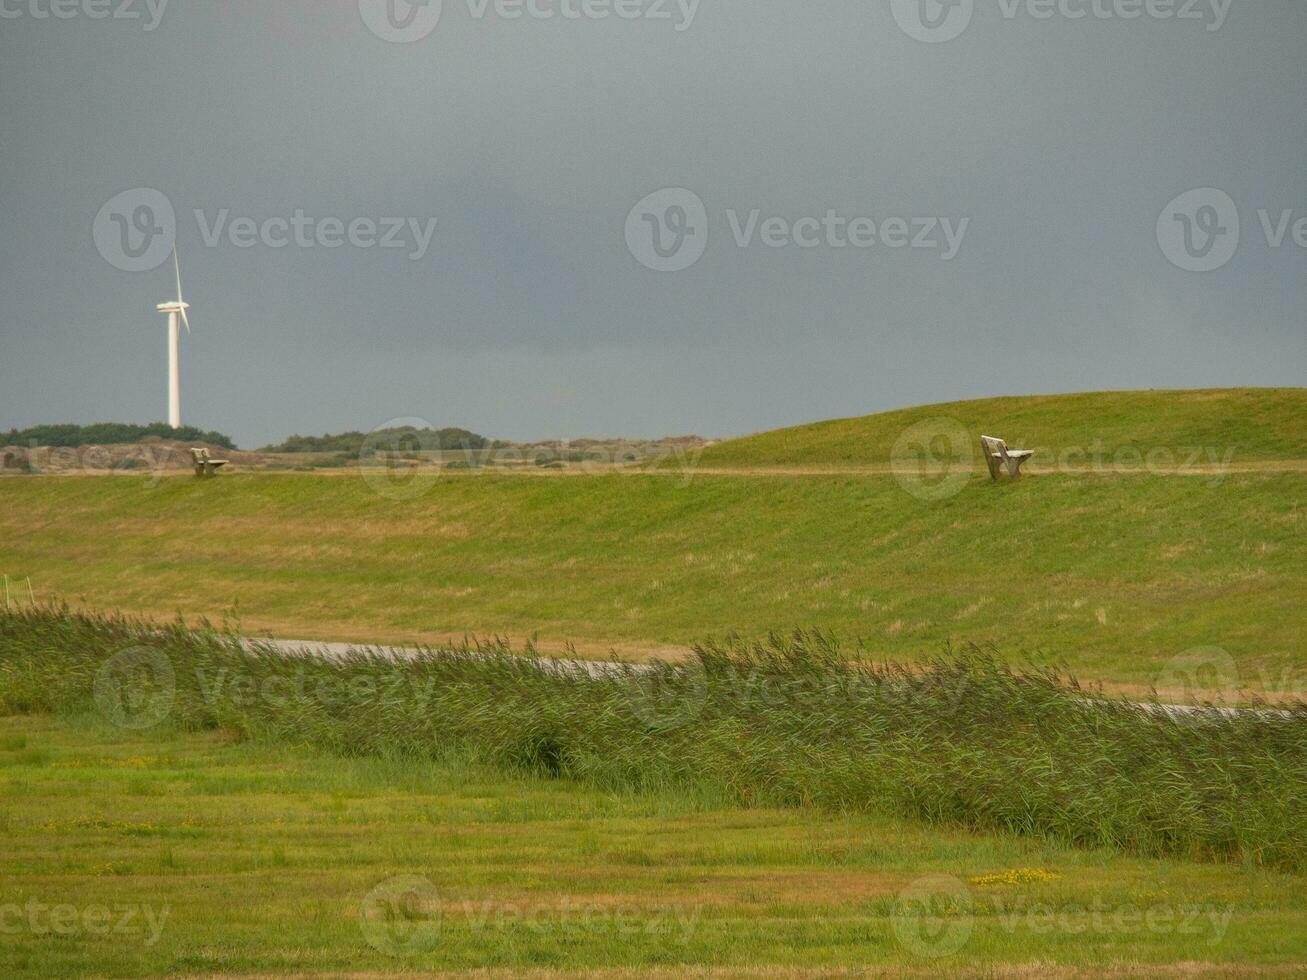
(998, 457)
(205, 465)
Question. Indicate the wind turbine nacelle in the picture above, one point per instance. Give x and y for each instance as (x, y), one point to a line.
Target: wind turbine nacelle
(173, 307)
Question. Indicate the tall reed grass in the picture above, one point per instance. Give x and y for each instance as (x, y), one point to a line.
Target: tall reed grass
(794, 721)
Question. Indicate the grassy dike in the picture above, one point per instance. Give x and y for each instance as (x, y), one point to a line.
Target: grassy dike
(1153, 525)
(1116, 576)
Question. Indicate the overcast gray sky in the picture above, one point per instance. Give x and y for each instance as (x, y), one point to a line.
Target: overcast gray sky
(1033, 158)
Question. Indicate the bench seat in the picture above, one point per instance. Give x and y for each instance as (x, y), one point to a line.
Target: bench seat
(205, 464)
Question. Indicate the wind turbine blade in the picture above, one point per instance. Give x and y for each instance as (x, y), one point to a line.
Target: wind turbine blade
(176, 264)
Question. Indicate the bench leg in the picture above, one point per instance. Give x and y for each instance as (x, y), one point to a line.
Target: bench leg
(1014, 468)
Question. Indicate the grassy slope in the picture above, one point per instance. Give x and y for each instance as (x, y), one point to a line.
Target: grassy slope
(260, 858)
(1257, 424)
(1116, 576)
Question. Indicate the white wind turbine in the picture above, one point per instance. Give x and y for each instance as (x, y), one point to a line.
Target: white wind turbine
(174, 309)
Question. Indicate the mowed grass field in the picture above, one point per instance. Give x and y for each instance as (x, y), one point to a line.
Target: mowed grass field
(163, 852)
(1152, 525)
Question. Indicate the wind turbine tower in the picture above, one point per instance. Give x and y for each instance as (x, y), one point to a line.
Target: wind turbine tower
(175, 309)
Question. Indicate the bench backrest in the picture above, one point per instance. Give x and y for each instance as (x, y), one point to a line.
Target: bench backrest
(994, 447)
(199, 455)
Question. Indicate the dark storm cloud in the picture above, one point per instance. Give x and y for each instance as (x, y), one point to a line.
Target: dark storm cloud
(529, 132)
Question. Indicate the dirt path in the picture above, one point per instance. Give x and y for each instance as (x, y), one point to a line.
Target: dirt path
(682, 471)
(1210, 470)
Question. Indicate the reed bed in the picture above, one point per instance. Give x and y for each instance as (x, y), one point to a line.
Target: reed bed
(963, 740)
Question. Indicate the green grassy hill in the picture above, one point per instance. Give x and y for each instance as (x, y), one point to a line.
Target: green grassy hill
(1254, 424)
(1114, 572)
(1114, 576)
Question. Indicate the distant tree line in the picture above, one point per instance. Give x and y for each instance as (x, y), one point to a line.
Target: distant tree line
(402, 439)
(108, 434)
